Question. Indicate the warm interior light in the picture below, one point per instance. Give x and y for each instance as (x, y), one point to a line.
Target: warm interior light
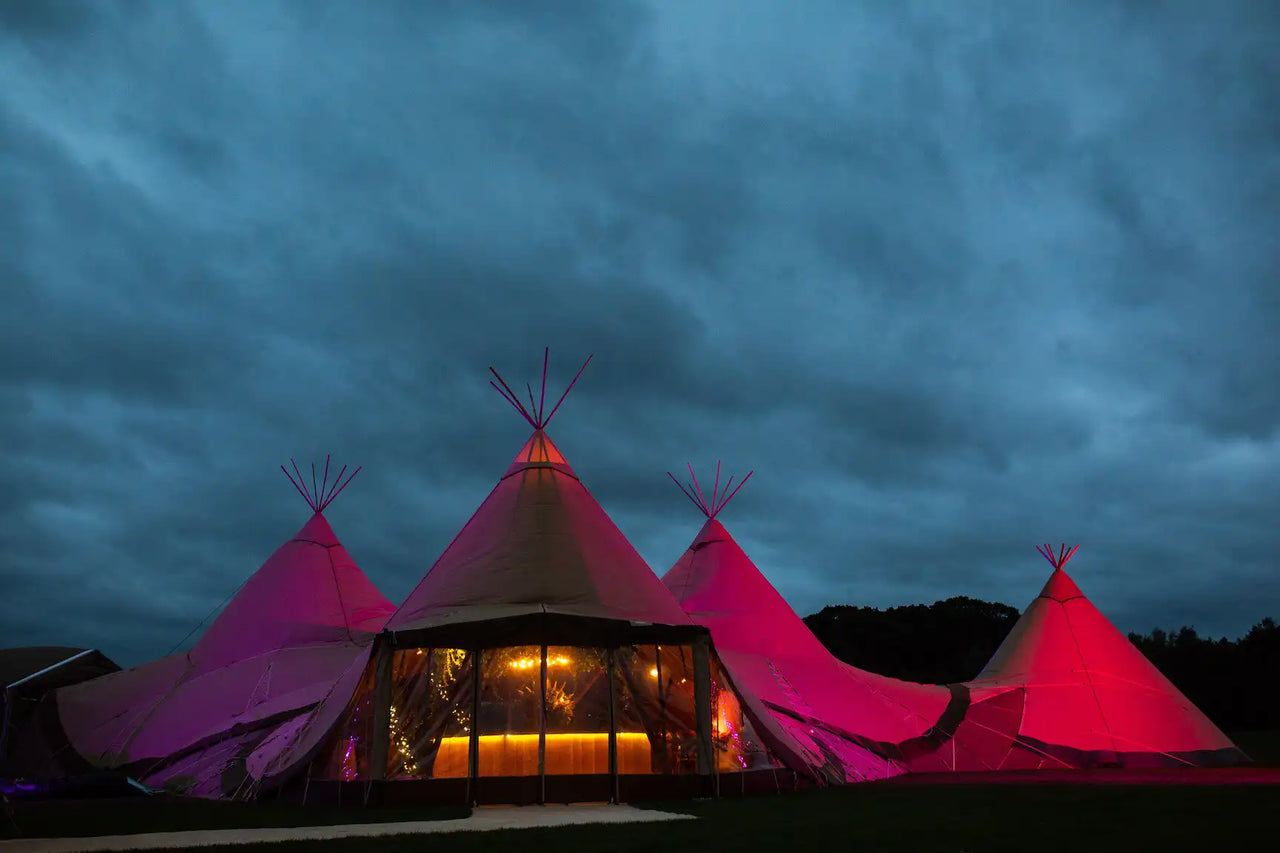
(529, 663)
(653, 673)
(517, 754)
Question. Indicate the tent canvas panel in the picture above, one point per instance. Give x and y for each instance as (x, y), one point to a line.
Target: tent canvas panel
(538, 543)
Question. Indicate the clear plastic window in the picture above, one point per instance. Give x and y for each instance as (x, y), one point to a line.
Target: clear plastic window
(737, 746)
(656, 710)
(431, 698)
(510, 710)
(577, 697)
(345, 755)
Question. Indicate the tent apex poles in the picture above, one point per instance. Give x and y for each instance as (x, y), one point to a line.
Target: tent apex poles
(719, 497)
(716, 487)
(1060, 559)
(296, 486)
(725, 502)
(338, 491)
(325, 493)
(691, 498)
(542, 399)
(533, 406)
(324, 483)
(511, 399)
(536, 414)
(701, 496)
(302, 484)
(556, 407)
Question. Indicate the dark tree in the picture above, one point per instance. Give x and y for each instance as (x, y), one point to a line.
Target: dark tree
(941, 643)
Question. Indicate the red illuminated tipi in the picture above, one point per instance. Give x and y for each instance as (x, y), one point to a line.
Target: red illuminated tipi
(1085, 695)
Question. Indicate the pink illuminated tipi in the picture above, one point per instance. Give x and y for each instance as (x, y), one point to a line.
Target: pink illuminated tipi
(1083, 694)
(195, 721)
(853, 723)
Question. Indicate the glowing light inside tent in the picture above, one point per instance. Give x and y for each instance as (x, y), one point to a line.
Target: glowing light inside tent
(349, 768)
(529, 663)
(517, 754)
(402, 742)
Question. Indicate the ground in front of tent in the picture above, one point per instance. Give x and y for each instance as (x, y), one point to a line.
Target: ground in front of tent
(875, 816)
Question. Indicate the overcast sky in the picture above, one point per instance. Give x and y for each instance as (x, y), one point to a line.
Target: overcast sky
(953, 278)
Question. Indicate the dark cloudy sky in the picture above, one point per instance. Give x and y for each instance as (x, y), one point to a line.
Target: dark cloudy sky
(953, 278)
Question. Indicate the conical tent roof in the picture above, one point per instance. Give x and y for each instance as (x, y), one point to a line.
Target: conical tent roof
(1090, 695)
(538, 544)
(296, 626)
(773, 655)
(308, 591)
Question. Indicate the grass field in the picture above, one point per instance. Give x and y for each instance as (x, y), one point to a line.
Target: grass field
(865, 817)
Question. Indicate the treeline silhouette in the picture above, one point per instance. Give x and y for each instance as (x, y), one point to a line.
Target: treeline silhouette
(1235, 682)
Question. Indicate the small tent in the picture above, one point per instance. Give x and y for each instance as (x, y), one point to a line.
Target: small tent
(1069, 690)
(194, 721)
(540, 659)
(28, 673)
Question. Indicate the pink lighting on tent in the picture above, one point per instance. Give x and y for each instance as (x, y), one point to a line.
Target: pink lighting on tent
(279, 647)
(1089, 697)
(776, 661)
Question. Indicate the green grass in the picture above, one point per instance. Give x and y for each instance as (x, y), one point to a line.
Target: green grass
(882, 817)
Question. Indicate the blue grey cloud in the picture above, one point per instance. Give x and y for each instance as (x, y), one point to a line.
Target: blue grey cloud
(953, 279)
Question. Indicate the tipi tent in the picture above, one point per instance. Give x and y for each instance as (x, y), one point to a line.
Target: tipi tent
(539, 659)
(28, 673)
(854, 724)
(1081, 695)
(195, 721)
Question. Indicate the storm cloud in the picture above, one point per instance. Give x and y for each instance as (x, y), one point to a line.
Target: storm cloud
(951, 278)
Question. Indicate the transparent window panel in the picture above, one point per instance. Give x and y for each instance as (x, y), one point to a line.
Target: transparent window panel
(431, 699)
(345, 755)
(577, 696)
(510, 705)
(657, 719)
(737, 746)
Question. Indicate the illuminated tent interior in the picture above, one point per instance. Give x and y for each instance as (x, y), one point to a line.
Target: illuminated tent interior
(540, 659)
(197, 722)
(1069, 690)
